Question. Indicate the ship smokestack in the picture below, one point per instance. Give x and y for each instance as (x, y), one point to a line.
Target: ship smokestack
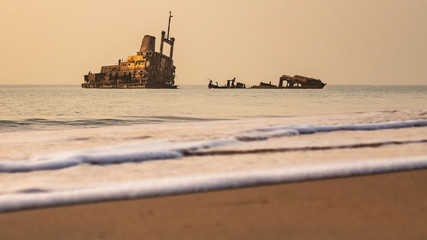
(148, 44)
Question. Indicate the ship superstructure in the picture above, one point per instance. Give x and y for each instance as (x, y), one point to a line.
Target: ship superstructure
(147, 69)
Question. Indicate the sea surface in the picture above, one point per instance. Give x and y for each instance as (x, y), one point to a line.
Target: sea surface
(40, 107)
(63, 145)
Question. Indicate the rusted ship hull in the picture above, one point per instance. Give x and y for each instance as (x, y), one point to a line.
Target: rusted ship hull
(146, 69)
(305, 87)
(295, 82)
(84, 85)
(296, 87)
(230, 84)
(215, 86)
(225, 87)
(263, 85)
(300, 82)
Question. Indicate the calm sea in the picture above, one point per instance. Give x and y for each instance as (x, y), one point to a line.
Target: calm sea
(40, 107)
(62, 145)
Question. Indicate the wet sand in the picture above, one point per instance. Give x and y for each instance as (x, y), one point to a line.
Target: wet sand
(385, 206)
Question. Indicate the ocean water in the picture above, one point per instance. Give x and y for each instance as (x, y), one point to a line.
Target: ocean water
(64, 145)
(37, 107)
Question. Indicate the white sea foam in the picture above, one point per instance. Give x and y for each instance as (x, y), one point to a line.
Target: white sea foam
(203, 183)
(131, 152)
(162, 150)
(281, 131)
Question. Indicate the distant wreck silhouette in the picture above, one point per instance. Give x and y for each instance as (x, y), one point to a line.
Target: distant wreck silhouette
(230, 84)
(295, 82)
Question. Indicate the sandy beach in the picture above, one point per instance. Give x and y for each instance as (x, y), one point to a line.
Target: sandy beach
(385, 206)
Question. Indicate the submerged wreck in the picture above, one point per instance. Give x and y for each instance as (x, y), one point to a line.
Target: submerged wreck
(265, 85)
(230, 84)
(295, 82)
(147, 69)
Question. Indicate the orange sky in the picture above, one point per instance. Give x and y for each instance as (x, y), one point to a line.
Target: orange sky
(360, 42)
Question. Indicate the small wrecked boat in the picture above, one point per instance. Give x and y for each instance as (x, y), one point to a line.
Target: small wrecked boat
(230, 84)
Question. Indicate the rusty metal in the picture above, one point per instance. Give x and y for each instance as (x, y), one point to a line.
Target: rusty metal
(146, 69)
(295, 82)
(230, 84)
(264, 85)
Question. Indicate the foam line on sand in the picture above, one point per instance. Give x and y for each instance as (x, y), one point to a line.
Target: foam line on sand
(204, 183)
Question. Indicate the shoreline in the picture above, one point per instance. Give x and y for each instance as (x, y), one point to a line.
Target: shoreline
(37, 198)
(382, 206)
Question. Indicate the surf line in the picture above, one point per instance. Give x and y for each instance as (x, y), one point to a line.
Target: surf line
(208, 182)
(140, 153)
(261, 134)
(298, 149)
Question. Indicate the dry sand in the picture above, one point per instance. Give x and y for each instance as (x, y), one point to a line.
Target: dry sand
(386, 206)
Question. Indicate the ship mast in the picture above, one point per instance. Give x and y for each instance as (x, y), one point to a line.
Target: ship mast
(169, 25)
(170, 41)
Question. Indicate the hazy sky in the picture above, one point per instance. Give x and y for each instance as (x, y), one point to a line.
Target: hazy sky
(370, 42)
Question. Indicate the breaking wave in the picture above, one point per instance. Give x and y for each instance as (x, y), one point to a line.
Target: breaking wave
(132, 152)
(163, 150)
(38, 198)
(281, 131)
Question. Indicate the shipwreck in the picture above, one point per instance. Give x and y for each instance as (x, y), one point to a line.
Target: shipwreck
(147, 69)
(295, 82)
(230, 84)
